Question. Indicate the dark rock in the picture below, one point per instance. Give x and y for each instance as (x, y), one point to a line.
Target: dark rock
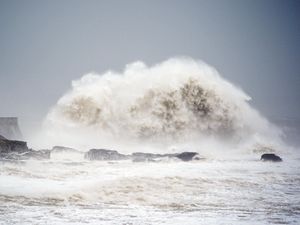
(270, 157)
(112, 155)
(188, 156)
(10, 146)
(104, 154)
(18, 150)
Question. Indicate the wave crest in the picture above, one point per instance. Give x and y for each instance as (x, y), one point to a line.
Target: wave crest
(180, 99)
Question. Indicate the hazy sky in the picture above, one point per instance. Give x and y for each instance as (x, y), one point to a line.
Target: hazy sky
(46, 44)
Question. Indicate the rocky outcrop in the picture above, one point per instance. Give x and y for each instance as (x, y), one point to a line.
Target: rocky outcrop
(10, 146)
(270, 157)
(9, 128)
(112, 155)
(104, 154)
(18, 150)
(188, 156)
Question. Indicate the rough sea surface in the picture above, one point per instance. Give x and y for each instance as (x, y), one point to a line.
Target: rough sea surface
(174, 106)
(209, 191)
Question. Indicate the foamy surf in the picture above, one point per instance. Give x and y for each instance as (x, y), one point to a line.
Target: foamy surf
(206, 192)
(175, 106)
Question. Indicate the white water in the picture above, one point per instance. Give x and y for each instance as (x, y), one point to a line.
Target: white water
(206, 192)
(178, 105)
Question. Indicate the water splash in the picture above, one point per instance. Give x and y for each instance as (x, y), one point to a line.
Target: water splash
(177, 101)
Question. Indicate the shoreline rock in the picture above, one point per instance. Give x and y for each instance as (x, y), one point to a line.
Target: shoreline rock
(113, 155)
(18, 150)
(270, 157)
(188, 156)
(104, 155)
(12, 146)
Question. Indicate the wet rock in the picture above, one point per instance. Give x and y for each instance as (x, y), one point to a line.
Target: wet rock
(104, 154)
(270, 157)
(112, 155)
(11, 146)
(188, 156)
(18, 150)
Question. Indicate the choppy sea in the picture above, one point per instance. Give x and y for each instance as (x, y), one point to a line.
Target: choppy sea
(246, 191)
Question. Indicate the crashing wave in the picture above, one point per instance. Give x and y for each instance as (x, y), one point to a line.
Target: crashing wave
(177, 100)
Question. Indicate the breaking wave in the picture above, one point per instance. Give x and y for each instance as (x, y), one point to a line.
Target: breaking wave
(177, 101)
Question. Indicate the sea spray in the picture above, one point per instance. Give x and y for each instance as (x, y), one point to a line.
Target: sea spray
(179, 102)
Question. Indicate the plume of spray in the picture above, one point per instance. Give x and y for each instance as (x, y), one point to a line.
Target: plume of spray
(179, 103)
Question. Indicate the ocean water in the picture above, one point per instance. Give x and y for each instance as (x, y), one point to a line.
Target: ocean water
(210, 191)
(175, 106)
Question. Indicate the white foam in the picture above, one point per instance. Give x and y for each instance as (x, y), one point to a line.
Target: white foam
(179, 102)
